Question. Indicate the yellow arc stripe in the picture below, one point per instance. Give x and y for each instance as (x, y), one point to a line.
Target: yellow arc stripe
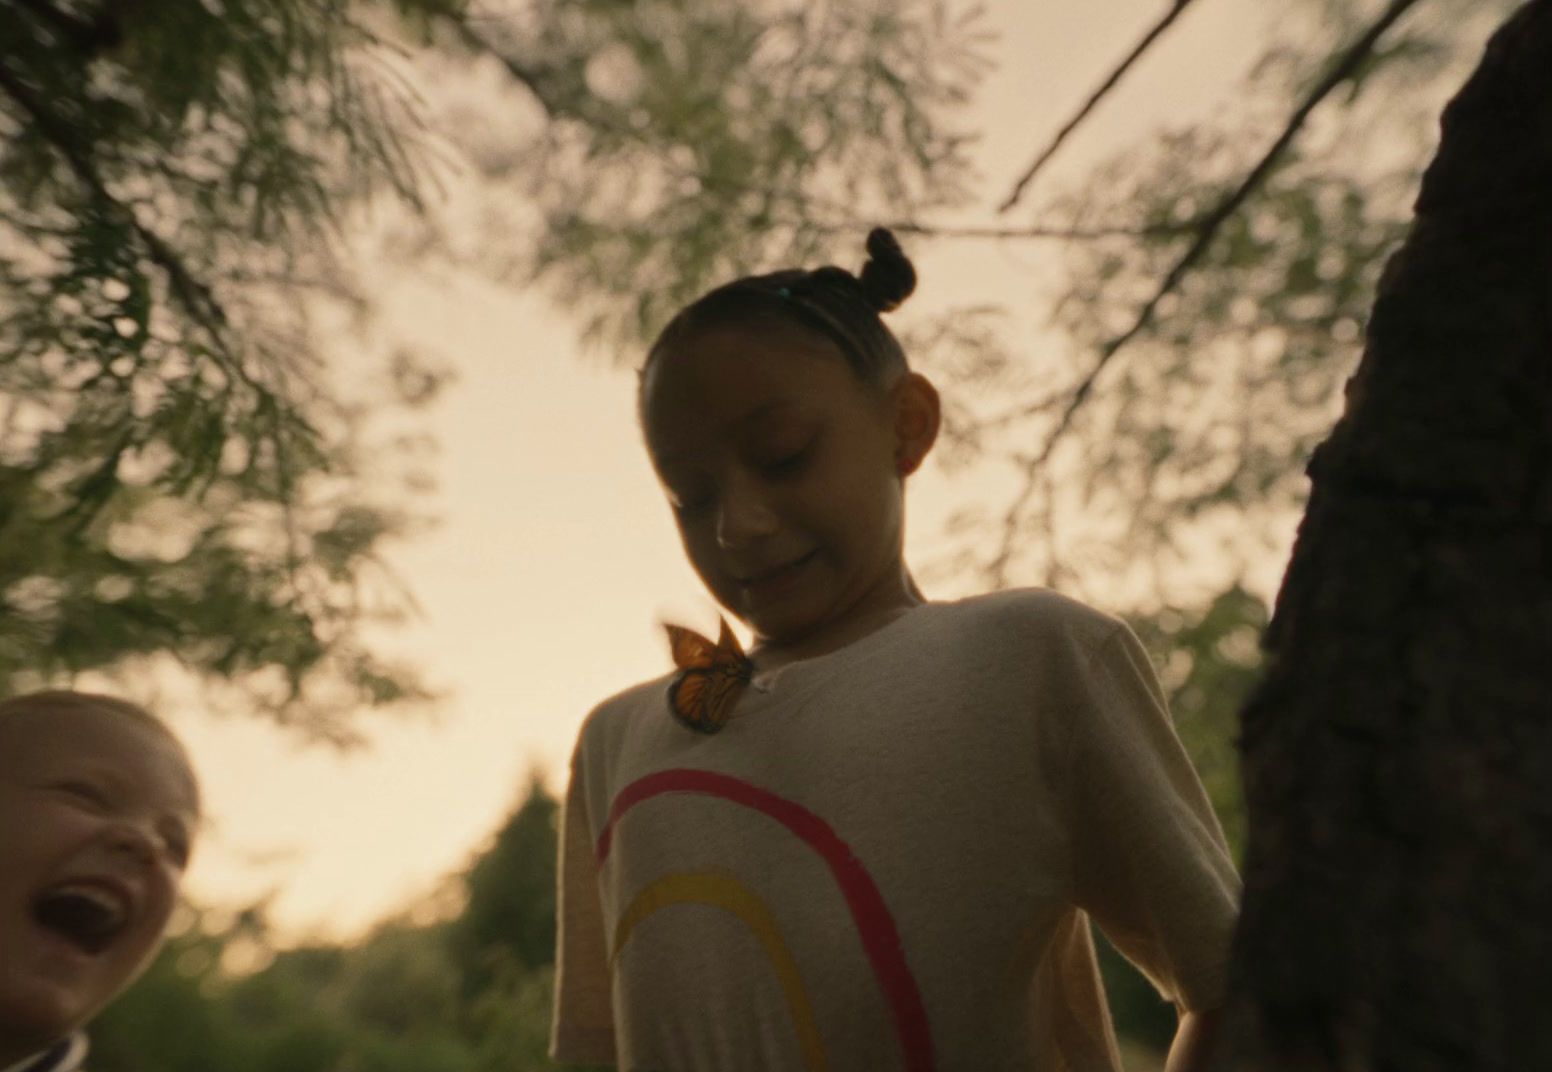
(727, 893)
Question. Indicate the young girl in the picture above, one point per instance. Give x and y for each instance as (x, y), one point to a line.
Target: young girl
(875, 842)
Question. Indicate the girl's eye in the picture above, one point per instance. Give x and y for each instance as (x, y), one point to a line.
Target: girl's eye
(787, 464)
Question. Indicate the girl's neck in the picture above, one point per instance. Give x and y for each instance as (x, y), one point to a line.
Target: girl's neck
(870, 615)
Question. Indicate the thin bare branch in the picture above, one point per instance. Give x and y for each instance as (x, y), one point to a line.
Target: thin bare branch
(929, 230)
(1047, 403)
(1012, 520)
(1115, 76)
(842, 218)
(856, 225)
(1341, 70)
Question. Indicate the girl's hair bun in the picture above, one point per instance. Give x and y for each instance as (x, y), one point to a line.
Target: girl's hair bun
(888, 277)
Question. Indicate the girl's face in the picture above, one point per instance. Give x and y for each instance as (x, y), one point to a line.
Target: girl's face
(97, 815)
(784, 473)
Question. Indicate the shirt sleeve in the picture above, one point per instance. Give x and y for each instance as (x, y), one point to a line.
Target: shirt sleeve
(582, 1030)
(1150, 863)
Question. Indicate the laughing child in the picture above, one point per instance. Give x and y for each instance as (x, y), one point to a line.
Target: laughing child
(98, 808)
(876, 841)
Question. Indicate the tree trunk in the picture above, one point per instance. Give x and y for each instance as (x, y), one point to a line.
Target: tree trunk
(1398, 756)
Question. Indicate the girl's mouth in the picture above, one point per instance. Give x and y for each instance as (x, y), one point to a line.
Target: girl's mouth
(775, 582)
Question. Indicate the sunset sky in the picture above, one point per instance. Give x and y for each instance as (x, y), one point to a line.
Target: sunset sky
(554, 558)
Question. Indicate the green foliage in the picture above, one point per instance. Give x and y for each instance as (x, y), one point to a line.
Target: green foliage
(1182, 471)
(1209, 658)
(687, 141)
(511, 1020)
(507, 926)
(1140, 1015)
(167, 1021)
(178, 476)
(454, 996)
(399, 981)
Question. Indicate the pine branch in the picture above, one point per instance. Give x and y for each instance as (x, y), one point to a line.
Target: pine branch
(1207, 229)
(194, 296)
(86, 36)
(1176, 8)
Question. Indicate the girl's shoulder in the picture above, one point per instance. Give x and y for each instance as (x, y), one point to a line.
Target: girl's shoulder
(1021, 617)
(627, 713)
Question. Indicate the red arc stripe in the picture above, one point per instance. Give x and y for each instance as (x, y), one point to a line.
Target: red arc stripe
(869, 913)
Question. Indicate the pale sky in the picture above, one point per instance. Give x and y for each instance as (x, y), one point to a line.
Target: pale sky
(555, 559)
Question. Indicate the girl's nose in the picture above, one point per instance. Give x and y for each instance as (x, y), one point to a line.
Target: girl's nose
(744, 515)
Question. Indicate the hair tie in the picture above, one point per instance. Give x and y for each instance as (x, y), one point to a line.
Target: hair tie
(785, 292)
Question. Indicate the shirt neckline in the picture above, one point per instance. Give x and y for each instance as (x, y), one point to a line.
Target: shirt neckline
(63, 1056)
(765, 681)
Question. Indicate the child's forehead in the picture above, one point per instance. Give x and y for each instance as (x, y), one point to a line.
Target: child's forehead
(679, 431)
(35, 737)
(690, 441)
(735, 374)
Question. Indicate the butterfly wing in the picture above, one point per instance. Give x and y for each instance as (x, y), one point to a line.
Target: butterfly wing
(687, 698)
(729, 650)
(723, 688)
(704, 699)
(689, 648)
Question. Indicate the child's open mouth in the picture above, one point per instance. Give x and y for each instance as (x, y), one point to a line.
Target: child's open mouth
(87, 915)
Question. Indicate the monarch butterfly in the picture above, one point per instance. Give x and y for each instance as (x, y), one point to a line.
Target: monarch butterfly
(710, 680)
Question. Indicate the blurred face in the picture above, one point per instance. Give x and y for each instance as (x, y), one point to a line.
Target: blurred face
(783, 470)
(97, 813)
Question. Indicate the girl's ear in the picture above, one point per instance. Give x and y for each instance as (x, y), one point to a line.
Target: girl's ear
(917, 416)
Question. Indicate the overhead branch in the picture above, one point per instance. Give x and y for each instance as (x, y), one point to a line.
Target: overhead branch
(853, 225)
(1344, 68)
(87, 36)
(928, 230)
(997, 568)
(1115, 76)
(829, 216)
(193, 295)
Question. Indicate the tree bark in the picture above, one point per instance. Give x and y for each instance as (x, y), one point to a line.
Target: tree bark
(1398, 755)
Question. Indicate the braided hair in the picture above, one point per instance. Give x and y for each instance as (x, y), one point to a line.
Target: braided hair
(831, 301)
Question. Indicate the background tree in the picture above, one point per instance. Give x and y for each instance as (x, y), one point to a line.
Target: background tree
(448, 993)
(507, 924)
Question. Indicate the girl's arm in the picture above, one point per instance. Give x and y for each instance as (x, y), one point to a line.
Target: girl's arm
(1193, 1045)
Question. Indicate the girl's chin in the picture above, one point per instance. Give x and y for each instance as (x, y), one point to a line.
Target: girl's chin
(794, 629)
(770, 630)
